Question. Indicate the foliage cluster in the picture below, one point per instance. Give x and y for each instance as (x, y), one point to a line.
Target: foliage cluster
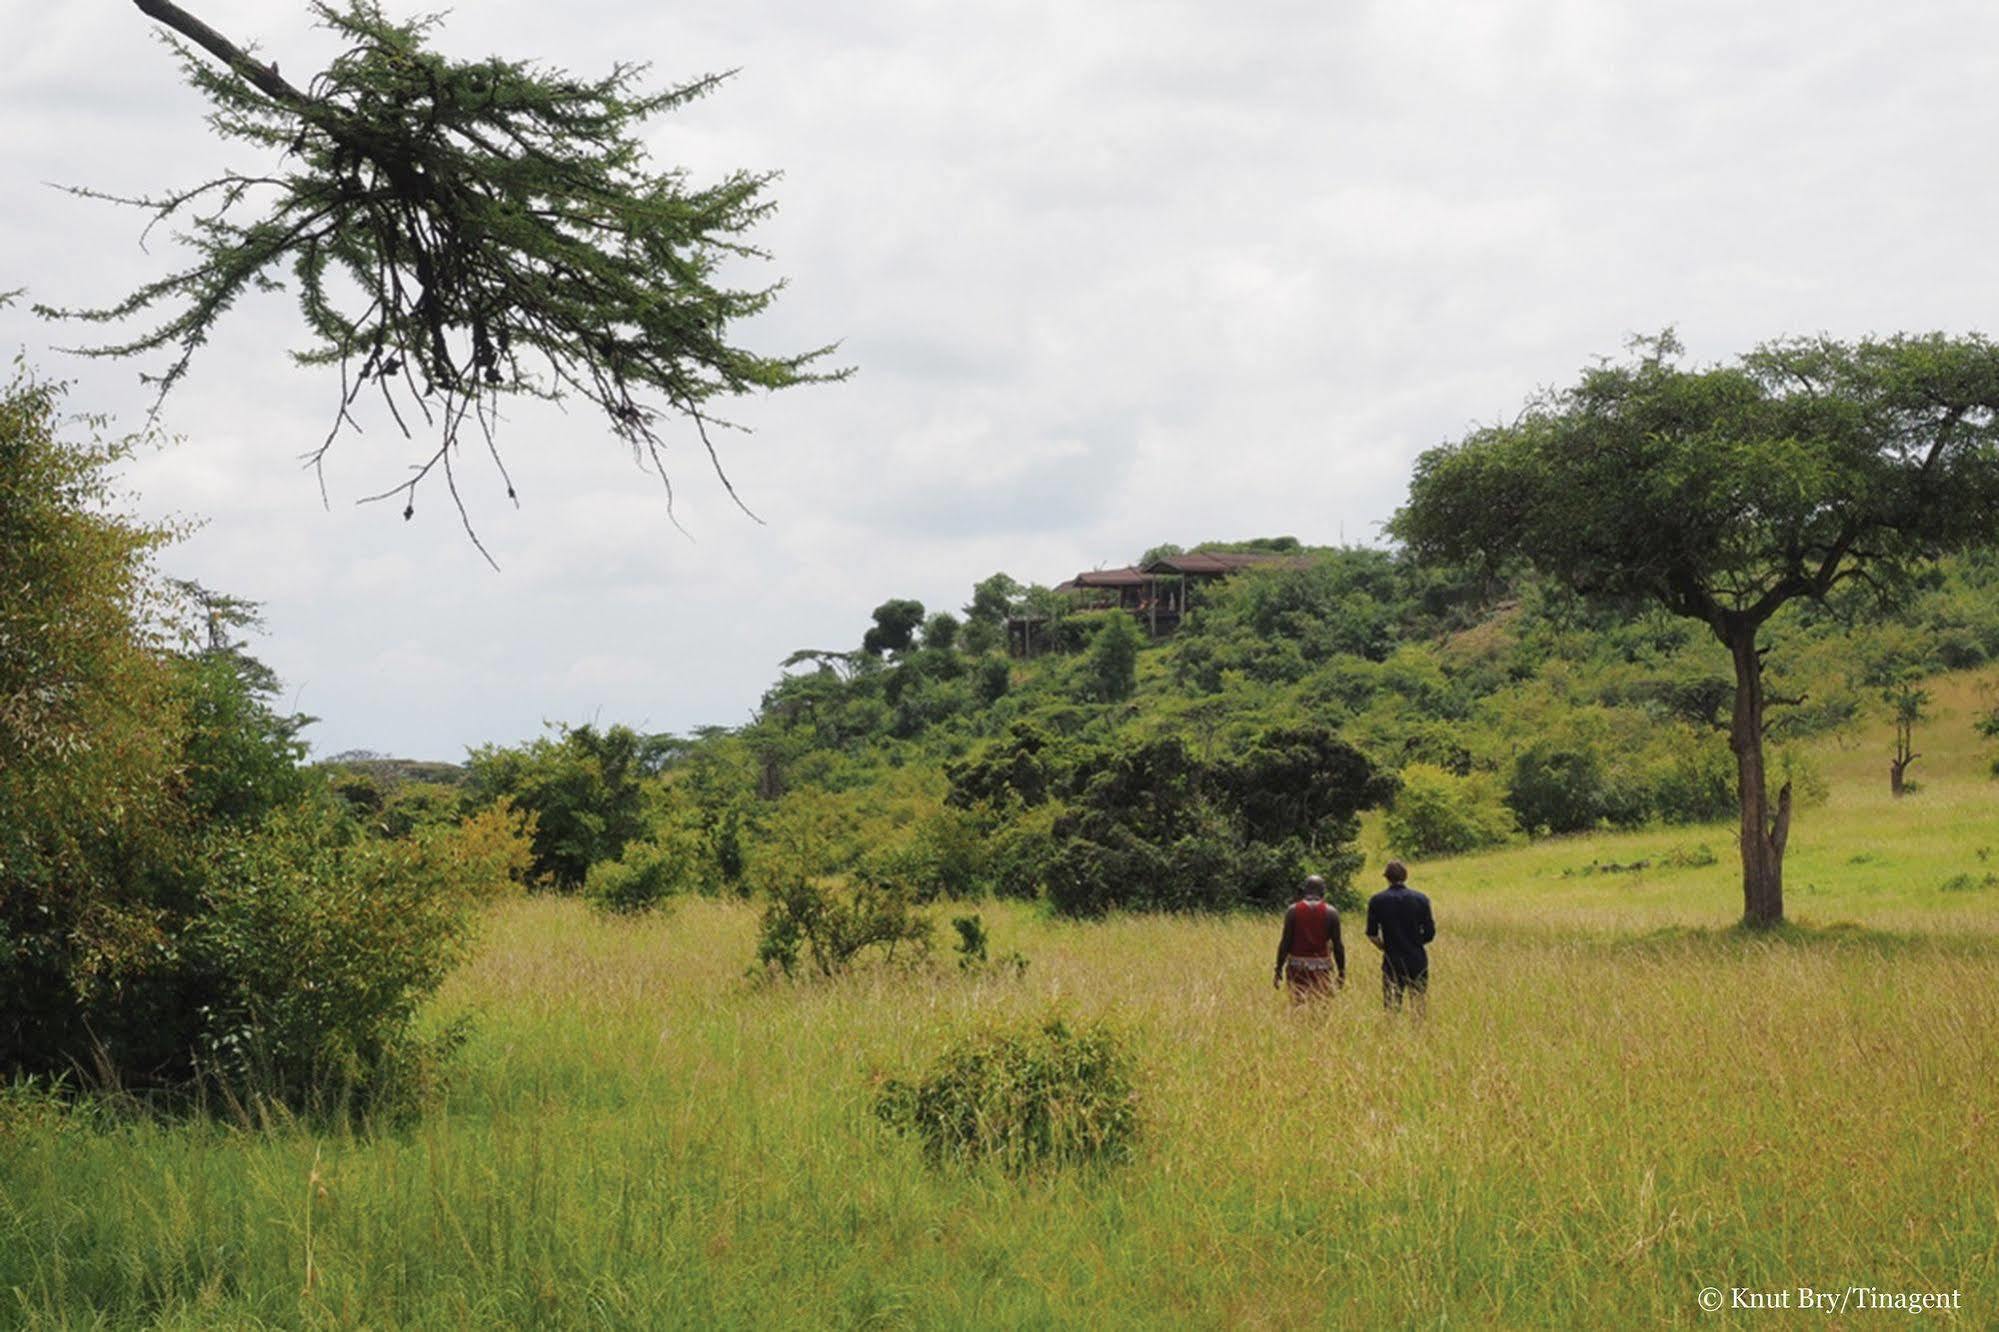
(582, 787)
(181, 904)
(1022, 1095)
(459, 232)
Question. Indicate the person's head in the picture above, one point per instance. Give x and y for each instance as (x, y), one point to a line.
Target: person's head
(1315, 887)
(1396, 872)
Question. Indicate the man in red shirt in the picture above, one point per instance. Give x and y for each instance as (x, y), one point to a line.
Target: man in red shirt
(1310, 955)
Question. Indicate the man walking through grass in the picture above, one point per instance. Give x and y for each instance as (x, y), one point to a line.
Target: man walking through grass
(1399, 924)
(1310, 947)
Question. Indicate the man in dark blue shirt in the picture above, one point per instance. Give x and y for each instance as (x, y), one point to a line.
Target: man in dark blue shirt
(1399, 924)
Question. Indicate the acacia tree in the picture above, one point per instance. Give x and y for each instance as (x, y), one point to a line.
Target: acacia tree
(1727, 492)
(457, 233)
(1910, 704)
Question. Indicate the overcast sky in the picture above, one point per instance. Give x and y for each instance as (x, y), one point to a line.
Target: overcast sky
(1110, 273)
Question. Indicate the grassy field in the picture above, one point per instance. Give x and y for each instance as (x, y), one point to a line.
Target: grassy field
(1615, 1102)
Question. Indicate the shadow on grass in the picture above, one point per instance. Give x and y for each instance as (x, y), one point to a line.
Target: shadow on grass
(1834, 936)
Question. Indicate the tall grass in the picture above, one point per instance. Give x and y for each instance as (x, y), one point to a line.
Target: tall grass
(1614, 1102)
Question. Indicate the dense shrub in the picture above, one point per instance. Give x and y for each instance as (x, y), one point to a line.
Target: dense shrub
(1808, 784)
(833, 923)
(1438, 813)
(1110, 672)
(991, 678)
(1152, 827)
(178, 900)
(1022, 1096)
(946, 856)
(1020, 851)
(316, 948)
(1693, 781)
(241, 757)
(1557, 789)
(648, 873)
(582, 786)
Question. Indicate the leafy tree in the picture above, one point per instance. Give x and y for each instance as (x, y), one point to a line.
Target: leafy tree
(1022, 769)
(91, 856)
(1150, 826)
(991, 679)
(1557, 788)
(1111, 672)
(460, 232)
(992, 600)
(242, 756)
(940, 632)
(177, 900)
(581, 787)
(894, 629)
(1909, 702)
(1726, 493)
(981, 637)
(1302, 782)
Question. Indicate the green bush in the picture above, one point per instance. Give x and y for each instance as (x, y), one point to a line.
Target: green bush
(1019, 853)
(1110, 673)
(972, 940)
(946, 856)
(1557, 789)
(178, 902)
(1437, 813)
(646, 875)
(317, 947)
(1022, 1096)
(414, 805)
(1688, 857)
(583, 788)
(833, 923)
(1693, 781)
(1809, 788)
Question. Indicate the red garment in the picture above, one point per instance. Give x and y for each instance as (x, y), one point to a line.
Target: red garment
(1311, 929)
(1308, 982)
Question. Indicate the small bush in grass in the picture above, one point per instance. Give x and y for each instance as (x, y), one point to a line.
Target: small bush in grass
(1688, 857)
(833, 923)
(972, 945)
(971, 940)
(644, 876)
(1967, 883)
(1022, 1096)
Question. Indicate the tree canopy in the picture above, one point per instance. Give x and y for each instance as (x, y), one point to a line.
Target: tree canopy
(1724, 493)
(458, 232)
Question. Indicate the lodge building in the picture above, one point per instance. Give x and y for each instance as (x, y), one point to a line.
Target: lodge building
(1158, 594)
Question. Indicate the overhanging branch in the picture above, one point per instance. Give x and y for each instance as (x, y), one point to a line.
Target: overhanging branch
(264, 77)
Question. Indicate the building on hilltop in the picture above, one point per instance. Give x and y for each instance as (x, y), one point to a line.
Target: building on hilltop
(1158, 595)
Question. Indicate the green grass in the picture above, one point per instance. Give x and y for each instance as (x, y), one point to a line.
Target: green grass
(1616, 1100)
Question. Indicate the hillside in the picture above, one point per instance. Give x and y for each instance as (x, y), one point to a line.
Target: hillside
(1213, 766)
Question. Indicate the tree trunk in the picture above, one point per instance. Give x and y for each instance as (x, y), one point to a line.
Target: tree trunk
(1896, 771)
(1763, 832)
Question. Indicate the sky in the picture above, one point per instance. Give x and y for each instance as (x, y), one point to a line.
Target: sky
(1109, 274)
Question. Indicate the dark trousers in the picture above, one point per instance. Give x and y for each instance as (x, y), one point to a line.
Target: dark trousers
(1403, 975)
